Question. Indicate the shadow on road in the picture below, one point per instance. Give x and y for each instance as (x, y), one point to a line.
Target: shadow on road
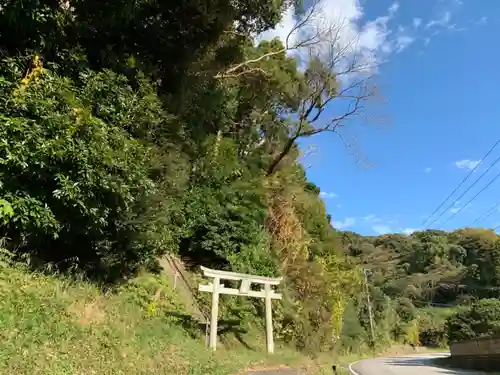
(438, 365)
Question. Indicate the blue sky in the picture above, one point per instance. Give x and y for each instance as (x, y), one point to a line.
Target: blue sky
(439, 82)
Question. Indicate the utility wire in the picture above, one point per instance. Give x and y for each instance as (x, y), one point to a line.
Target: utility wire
(474, 197)
(461, 183)
(466, 190)
(487, 214)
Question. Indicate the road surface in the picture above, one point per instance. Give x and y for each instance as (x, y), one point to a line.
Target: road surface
(418, 364)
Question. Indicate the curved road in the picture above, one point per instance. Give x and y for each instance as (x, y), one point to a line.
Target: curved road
(418, 364)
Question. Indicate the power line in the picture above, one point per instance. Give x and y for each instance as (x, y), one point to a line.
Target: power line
(487, 214)
(474, 197)
(467, 190)
(461, 183)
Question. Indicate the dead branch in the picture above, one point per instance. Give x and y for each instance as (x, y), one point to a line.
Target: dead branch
(355, 93)
(339, 77)
(303, 43)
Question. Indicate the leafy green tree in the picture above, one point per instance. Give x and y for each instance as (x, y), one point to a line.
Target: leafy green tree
(405, 309)
(481, 319)
(224, 210)
(79, 186)
(353, 334)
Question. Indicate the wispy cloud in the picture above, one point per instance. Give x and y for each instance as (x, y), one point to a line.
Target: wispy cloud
(372, 218)
(409, 231)
(428, 170)
(367, 40)
(393, 8)
(381, 229)
(346, 223)
(327, 195)
(483, 20)
(467, 163)
(443, 21)
(403, 41)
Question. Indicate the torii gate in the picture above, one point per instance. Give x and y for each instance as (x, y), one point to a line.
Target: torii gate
(216, 288)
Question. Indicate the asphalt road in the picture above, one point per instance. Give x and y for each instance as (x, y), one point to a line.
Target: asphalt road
(419, 364)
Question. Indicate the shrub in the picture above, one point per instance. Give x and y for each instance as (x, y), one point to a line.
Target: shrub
(79, 187)
(481, 319)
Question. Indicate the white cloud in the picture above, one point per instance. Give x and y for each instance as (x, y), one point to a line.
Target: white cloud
(443, 21)
(372, 218)
(417, 22)
(403, 41)
(342, 27)
(393, 8)
(327, 195)
(467, 163)
(409, 231)
(454, 210)
(342, 224)
(483, 20)
(381, 229)
(427, 170)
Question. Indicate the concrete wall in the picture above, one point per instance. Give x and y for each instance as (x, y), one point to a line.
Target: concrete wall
(477, 354)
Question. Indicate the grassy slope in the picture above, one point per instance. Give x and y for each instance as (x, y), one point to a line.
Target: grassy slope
(53, 326)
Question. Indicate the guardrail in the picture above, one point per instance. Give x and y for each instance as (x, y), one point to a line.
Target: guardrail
(477, 354)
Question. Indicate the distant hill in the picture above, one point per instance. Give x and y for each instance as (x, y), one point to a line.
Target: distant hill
(431, 267)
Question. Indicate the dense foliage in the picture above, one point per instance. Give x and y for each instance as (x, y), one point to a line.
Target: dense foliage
(481, 319)
(449, 277)
(132, 129)
(432, 267)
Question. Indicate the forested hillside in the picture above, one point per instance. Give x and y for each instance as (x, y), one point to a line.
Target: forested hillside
(437, 275)
(432, 267)
(133, 129)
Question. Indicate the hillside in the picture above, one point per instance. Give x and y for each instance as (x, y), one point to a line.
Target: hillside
(431, 267)
(54, 326)
(432, 276)
(135, 130)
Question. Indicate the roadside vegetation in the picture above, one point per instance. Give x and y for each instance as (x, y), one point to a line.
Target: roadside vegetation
(450, 280)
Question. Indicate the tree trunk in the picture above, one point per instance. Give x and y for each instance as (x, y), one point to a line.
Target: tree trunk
(272, 167)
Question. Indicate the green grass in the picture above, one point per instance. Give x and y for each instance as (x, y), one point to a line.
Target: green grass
(54, 325)
(51, 325)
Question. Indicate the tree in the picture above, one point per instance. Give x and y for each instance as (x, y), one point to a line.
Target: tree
(79, 186)
(337, 76)
(481, 319)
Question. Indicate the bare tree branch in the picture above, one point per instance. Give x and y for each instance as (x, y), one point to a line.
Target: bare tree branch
(301, 43)
(339, 76)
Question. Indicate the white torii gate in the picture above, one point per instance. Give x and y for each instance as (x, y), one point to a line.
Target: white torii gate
(216, 288)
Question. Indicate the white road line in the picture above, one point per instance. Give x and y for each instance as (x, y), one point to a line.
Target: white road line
(351, 370)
